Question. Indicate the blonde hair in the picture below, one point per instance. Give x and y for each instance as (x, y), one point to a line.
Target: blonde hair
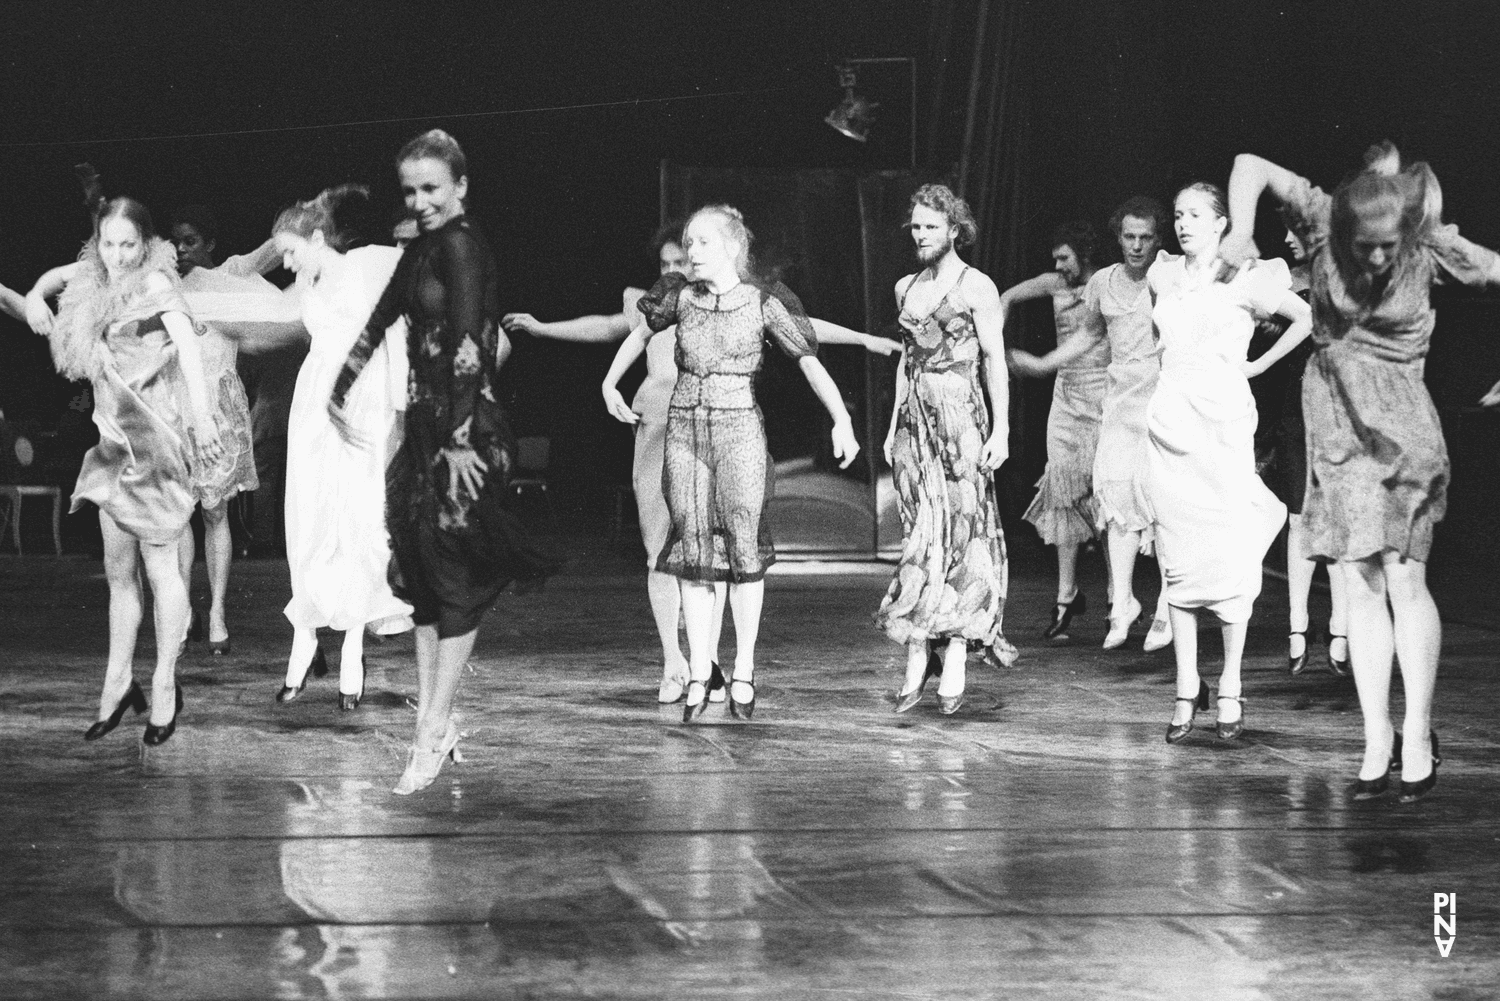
(732, 225)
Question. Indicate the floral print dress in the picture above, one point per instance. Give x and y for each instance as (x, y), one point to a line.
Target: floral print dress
(951, 580)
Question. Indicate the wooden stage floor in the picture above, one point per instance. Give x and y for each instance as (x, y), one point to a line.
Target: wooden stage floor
(1044, 842)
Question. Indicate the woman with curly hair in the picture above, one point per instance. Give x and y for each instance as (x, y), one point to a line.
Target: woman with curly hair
(123, 325)
(1064, 510)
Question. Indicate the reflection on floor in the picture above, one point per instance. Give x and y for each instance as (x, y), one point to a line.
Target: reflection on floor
(1044, 842)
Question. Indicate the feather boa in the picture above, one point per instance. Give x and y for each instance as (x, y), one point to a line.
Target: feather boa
(91, 302)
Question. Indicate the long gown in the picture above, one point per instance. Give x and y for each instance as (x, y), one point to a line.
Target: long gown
(1377, 479)
(717, 473)
(1214, 517)
(952, 578)
(336, 541)
(139, 473)
(453, 553)
(1134, 366)
(651, 401)
(1063, 510)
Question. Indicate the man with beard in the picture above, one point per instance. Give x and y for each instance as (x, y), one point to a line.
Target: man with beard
(944, 446)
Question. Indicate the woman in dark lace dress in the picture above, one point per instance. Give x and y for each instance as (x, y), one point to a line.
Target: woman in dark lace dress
(455, 546)
(717, 473)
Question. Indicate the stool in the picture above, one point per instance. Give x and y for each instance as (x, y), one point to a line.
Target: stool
(15, 494)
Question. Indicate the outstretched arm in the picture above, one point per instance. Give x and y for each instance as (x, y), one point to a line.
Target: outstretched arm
(38, 313)
(260, 261)
(1026, 363)
(1300, 313)
(595, 329)
(845, 446)
(631, 349)
(832, 333)
(12, 304)
(988, 324)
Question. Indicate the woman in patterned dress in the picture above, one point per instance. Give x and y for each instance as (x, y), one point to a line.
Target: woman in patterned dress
(949, 588)
(1377, 464)
(122, 324)
(1065, 511)
(717, 474)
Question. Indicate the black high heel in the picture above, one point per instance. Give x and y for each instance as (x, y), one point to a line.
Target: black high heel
(1339, 667)
(133, 698)
(692, 709)
(1437, 758)
(154, 734)
(738, 709)
(318, 668)
(1296, 665)
(1199, 702)
(1413, 791)
(1229, 731)
(1371, 788)
(906, 700)
(1062, 617)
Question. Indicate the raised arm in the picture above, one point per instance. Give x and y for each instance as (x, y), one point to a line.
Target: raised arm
(631, 349)
(1040, 287)
(260, 261)
(832, 333)
(51, 284)
(988, 324)
(1251, 177)
(596, 329)
(12, 304)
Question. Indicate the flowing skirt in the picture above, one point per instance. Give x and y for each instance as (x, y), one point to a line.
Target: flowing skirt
(1064, 510)
(1124, 444)
(234, 471)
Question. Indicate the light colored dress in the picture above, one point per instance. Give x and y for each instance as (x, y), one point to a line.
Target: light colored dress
(1064, 509)
(1214, 517)
(1377, 478)
(652, 400)
(1134, 365)
(336, 540)
(952, 578)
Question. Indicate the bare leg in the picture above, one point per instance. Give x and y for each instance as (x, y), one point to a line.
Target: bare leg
(1299, 578)
(1371, 648)
(352, 663)
(1230, 682)
(1185, 647)
(955, 666)
(666, 608)
(746, 601)
(217, 550)
(426, 642)
(1122, 547)
(1418, 633)
(432, 717)
(170, 599)
(1067, 572)
(122, 570)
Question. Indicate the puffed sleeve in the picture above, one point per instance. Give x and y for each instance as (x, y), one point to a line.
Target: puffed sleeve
(787, 325)
(1460, 259)
(1306, 211)
(1264, 285)
(659, 306)
(1158, 275)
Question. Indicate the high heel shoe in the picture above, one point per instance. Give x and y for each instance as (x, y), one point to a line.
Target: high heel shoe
(348, 703)
(1437, 758)
(1371, 788)
(1413, 791)
(906, 700)
(423, 764)
(738, 709)
(672, 688)
(218, 648)
(1119, 629)
(1338, 667)
(318, 668)
(1296, 665)
(1229, 731)
(1199, 702)
(1062, 617)
(1159, 637)
(154, 734)
(133, 698)
(691, 709)
(950, 704)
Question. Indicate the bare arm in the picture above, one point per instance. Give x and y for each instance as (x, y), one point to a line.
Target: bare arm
(1073, 348)
(1040, 287)
(630, 351)
(1252, 176)
(832, 333)
(989, 325)
(38, 313)
(595, 329)
(12, 304)
(845, 446)
(901, 391)
(1300, 313)
(260, 261)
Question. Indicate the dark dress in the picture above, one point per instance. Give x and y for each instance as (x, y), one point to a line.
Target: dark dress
(717, 474)
(453, 554)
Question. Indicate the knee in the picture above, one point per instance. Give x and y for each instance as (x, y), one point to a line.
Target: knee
(215, 516)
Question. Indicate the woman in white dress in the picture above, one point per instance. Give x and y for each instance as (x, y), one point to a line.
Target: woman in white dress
(1214, 518)
(336, 540)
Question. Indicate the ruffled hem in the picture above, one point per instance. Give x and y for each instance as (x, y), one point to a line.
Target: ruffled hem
(1122, 503)
(991, 640)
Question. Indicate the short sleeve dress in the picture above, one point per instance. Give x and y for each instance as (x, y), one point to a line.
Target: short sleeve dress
(1214, 518)
(454, 553)
(717, 474)
(1134, 365)
(1377, 476)
(1063, 510)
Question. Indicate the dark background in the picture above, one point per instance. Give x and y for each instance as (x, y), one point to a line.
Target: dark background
(242, 107)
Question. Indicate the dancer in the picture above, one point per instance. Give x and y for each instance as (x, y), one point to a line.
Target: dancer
(123, 325)
(648, 413)
(1378, 466)
(1214, 518)
(455, 546)
(337, 548)
(1120, 296)
(1064, 510)
(1288, 480)
(194, 234)
(949, 588)
(717, 472)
